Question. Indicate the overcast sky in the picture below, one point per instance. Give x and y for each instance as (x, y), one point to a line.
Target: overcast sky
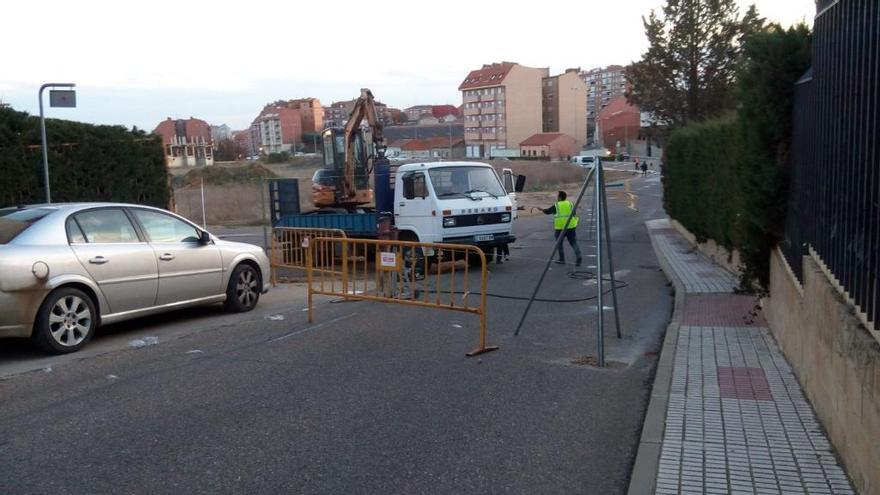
(136, 63)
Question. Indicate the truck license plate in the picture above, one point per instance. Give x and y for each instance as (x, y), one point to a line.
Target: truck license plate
(484, 237)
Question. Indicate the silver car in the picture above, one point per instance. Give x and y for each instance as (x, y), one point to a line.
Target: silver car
(66, 268)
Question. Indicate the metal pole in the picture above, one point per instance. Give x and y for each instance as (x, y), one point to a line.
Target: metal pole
(43, 134)
(552, 252)
(204, 216)
(263, 207)
(610, 260)
(600, 336)
(43, 145)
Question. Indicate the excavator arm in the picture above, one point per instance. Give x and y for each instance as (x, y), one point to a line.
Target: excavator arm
(364, 108)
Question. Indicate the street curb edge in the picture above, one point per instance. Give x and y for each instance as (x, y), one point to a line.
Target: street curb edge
(644, 472)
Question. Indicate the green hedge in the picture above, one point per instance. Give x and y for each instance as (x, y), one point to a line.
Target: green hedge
(725, 179)
(700, 180)
(86, 162)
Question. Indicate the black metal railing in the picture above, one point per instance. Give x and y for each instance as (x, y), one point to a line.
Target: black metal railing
(834, 181)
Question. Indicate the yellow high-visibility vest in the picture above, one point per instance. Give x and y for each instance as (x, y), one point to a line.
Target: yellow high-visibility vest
(564, 209)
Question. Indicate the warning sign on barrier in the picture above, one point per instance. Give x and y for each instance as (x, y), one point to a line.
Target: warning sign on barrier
(389, 261)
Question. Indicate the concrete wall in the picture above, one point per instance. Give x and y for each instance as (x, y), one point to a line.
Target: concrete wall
(836, 361)
(729, 260)
(522, 93)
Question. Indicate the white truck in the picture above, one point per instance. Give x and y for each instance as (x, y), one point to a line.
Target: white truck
(436, 202)
(452, 202)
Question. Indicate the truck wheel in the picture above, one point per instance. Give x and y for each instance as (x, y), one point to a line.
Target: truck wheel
(474, 261)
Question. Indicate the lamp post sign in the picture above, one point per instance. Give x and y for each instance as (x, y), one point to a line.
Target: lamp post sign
(62, 98)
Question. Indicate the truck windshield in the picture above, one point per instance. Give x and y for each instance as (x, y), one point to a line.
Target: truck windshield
(14, 221)
(463, 182)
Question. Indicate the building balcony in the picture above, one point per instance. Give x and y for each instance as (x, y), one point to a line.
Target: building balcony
(491, 97)
(489, 110)
(470, 99)
(471, 111)
(488, 136)
(472, 136)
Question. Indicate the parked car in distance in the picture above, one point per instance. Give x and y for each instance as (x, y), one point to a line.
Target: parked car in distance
(584, 160)
(67, 268)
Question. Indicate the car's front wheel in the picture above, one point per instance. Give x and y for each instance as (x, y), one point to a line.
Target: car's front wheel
(243, 291)
(65, 322)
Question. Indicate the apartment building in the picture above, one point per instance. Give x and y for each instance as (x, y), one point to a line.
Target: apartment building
(502, 107)
(619, 125)
(414, 113)
(311, 112)
(336, 115)
(187, 142)
(220, 132)
(443, 113)
(564, 106)
(603, 85)
(277, 129)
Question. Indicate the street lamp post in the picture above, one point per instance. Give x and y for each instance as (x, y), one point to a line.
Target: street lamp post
(56, 99)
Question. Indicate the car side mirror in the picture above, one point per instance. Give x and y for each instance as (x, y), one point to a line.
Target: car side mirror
(204, 238)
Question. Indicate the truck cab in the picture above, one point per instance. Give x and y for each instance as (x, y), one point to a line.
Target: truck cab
(452, 202)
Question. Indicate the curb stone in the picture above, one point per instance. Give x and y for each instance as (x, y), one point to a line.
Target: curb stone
(643, 478)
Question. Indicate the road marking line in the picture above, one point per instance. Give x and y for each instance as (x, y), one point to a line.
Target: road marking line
(313, 327)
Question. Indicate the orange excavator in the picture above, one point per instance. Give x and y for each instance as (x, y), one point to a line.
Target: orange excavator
(350, 154)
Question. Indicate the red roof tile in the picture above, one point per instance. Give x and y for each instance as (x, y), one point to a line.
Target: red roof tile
(441, 111)
(489, 75)
(541, 139)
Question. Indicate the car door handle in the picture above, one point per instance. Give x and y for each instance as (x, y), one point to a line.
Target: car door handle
(402, 203)
(166, 257)
(98, 260)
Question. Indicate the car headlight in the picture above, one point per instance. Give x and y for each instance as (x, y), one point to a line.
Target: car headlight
(449, 222)
(505, 217)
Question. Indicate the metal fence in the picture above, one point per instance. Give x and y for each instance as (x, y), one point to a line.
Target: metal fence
(288, 247)
(436, 276)
(834, 193)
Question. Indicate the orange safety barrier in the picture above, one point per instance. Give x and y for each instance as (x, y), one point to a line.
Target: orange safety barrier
(439, 276)
(627, 195)
(289, 246)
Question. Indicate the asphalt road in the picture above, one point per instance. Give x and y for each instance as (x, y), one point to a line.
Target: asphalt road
(371, 398)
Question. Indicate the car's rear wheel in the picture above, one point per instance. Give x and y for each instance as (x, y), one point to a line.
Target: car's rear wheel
(243, 291)
(66, 321)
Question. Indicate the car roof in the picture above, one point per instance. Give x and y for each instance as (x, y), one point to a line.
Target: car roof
(70, 207)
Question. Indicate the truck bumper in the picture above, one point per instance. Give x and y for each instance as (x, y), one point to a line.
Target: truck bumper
(498, 240)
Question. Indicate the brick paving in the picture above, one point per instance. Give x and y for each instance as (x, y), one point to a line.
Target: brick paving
(696, 271)
(737, 420)
(722, 310)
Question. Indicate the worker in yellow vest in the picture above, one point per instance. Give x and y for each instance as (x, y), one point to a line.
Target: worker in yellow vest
(561, 210)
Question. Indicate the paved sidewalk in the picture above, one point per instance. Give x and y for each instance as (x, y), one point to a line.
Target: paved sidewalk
(736, 418)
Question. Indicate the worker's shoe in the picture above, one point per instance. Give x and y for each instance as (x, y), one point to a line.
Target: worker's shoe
(578, 262)
(560, 262)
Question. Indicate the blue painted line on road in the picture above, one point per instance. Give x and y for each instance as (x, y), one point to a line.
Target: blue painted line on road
(313, 327)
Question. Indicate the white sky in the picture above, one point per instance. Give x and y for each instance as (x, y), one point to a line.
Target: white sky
(136, 63)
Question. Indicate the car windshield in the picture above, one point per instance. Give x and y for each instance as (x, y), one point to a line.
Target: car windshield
(463, 182)
(14, 221)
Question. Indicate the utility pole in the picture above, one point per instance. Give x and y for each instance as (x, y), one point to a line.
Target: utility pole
(57, 98)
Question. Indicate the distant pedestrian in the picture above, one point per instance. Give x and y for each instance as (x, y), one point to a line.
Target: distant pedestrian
(644, 168)
(636, 165)
(561, 211)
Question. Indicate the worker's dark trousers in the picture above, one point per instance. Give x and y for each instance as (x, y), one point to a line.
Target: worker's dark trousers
(571, 237)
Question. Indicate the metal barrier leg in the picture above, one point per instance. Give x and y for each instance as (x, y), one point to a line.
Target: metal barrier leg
(483, 331)
(309, 263)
